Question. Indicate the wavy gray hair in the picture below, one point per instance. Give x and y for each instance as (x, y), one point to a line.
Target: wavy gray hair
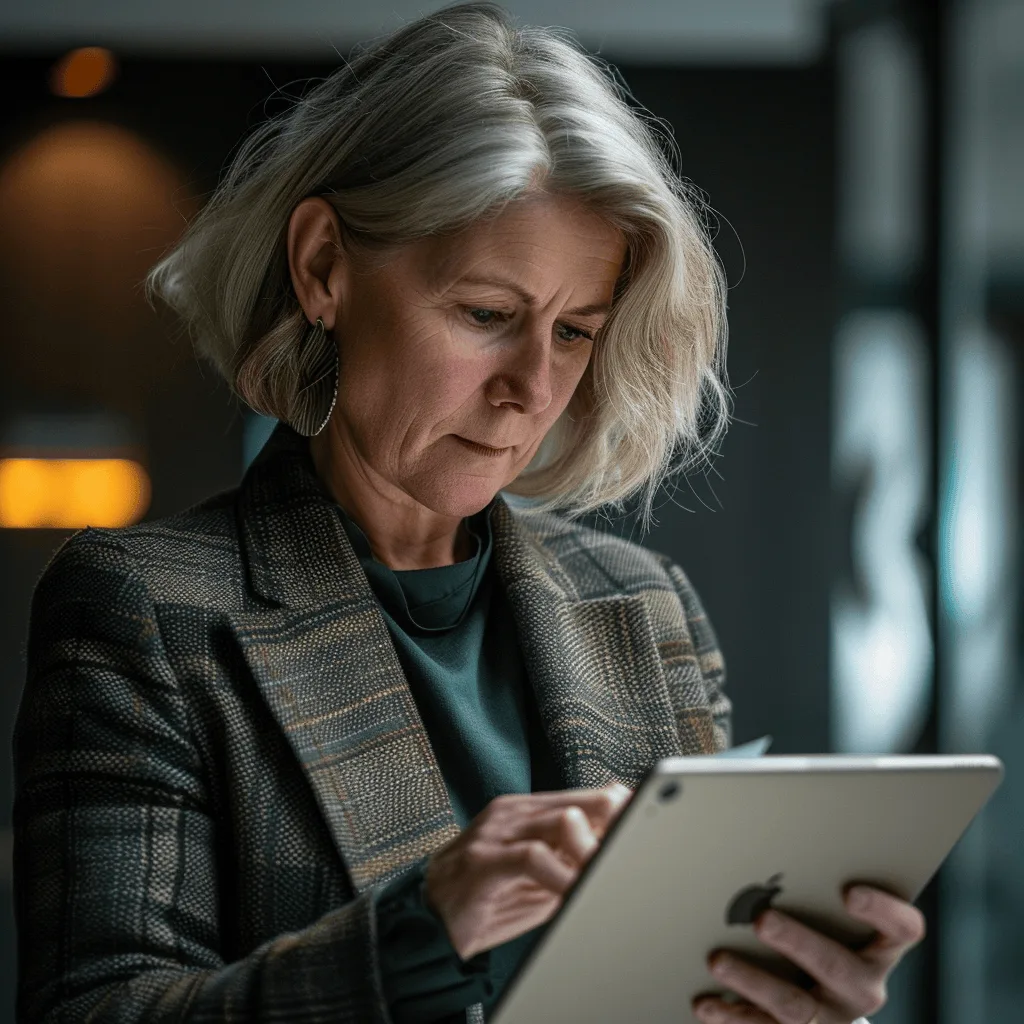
(447, 120)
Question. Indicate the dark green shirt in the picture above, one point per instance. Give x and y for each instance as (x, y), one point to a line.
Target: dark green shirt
(456, 640)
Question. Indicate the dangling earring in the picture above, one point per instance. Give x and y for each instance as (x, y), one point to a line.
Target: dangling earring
(318, 377)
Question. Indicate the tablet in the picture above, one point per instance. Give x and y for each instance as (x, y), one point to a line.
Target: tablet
(706, 844)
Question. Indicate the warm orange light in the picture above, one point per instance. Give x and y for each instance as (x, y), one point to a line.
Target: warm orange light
(83, 72)
(72, 493)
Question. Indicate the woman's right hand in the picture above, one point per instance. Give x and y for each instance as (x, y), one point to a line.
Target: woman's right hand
(509, 870)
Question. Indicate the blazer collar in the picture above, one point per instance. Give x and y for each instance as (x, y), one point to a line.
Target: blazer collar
(294, 543)
(299, 554)
(324, 662)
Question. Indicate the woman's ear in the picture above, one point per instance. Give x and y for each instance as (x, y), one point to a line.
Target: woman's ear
(315, 259)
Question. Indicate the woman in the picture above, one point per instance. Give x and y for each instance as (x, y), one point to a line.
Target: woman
(333, 745)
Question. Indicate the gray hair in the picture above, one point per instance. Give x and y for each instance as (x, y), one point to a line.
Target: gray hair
(443, 122)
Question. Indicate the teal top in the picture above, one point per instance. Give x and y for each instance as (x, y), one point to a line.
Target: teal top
(456, 641)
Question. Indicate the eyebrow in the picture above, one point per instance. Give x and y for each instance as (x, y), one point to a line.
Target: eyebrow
(593, 309)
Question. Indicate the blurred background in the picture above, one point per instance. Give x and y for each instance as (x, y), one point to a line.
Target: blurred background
(857, 546)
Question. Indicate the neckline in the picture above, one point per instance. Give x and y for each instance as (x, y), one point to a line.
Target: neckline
(430, 600)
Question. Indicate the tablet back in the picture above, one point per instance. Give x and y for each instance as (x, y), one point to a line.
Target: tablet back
(707, 844)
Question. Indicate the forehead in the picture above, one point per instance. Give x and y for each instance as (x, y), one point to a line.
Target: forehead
(536, 235)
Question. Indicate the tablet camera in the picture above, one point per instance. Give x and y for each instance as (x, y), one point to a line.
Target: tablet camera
(669, 791)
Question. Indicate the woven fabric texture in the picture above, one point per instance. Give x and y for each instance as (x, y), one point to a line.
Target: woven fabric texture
(218, 760)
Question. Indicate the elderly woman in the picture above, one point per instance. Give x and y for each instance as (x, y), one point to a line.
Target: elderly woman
(332, 746)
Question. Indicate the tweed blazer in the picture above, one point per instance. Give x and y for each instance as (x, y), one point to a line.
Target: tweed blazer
(218, 759)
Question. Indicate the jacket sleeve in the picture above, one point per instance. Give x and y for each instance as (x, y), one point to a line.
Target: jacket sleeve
(709, 656)
(116, 883)
(423, 976)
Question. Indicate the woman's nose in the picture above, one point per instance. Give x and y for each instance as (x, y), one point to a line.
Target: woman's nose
(527, 370)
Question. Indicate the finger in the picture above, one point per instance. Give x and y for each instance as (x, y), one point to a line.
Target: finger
(712, 1010)
(604, 802)
(567, 830)
(556, 797)
(555, 825)
(601, 806)
(535, 859)
(842, 973)
(602, 816)
(900, 925)
(781, 1000)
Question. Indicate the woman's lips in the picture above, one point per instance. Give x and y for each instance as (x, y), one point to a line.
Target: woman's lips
(480, 449)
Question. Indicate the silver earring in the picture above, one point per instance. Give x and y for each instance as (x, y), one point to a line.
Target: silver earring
(318, 382)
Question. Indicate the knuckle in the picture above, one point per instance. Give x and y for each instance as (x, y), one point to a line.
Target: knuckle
(499, 824)
(501, 805)
(533, 852)
(475, 856)
(492, 829)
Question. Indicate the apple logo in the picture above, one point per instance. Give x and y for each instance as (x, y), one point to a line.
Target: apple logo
(749, 903)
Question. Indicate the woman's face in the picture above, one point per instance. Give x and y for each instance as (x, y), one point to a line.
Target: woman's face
(478, 337)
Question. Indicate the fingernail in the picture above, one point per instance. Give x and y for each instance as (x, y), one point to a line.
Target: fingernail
(720, 964)
(769, 924)
(706, 1011)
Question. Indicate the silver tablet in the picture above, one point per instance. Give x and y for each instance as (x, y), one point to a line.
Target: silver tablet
(707, 844)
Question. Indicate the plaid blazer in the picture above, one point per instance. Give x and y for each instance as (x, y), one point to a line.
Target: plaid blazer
(218, 759)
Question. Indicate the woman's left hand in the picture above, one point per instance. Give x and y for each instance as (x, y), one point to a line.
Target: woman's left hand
(849, 984)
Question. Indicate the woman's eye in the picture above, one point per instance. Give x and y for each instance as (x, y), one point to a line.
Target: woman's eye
(495, 316)
(489, 319)
(578, 335)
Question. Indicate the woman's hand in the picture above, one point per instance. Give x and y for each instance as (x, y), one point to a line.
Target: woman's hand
(849, 984)
(508, 871)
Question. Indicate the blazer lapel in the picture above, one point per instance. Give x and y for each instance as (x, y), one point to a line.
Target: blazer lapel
(594, 664)
(325, 665)
(330, 676)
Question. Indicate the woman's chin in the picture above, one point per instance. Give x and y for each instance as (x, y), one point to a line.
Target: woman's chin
(462, 496)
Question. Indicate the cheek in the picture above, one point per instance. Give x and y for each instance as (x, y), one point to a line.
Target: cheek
(413, 395)
(564, 382)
